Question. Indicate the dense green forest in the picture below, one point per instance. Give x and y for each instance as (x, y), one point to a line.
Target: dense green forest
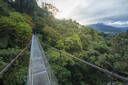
(17, 20)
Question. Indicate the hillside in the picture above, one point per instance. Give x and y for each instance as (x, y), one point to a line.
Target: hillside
(107, 28)
(20, 17)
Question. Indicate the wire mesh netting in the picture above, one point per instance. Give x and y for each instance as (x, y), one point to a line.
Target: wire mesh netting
(40, 72)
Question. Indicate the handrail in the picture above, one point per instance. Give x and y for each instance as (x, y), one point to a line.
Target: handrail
(6, 68)
(94, 66)
(52, 77)
(101, 69)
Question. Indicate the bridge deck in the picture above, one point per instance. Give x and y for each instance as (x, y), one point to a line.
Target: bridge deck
(38, 74)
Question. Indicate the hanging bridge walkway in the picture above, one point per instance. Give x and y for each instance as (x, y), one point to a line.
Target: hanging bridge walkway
(40, 73)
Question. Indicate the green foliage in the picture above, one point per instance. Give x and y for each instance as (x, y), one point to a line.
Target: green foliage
(8, 54)
(50, 35)
(2, 63)
(15, 29)
(40, 23)
(59, 62)
(29, 20)
(109, 51)
(18, 74)
(70, 44)
(120, 44)
(27, 6)
(16, 78)
(86, 43)
(4, 11)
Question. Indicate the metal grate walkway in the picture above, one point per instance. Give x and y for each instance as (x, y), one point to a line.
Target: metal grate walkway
(37, 74)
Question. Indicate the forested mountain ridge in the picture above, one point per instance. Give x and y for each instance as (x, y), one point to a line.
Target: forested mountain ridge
(18, 19)
(107, 28)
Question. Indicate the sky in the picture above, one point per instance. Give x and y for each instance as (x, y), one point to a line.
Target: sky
(111, 12)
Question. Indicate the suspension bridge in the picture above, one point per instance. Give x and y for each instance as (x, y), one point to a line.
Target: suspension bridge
(40, 73)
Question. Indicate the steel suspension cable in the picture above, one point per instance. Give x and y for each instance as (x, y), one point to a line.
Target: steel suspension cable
(101, 69)
(92, 65)
(9, 65)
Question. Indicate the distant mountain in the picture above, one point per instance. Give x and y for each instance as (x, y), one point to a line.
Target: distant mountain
(107, 28)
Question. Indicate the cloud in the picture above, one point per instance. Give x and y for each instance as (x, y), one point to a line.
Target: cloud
(119, 23)
(65, 6)
(93, 11)
(101, 11)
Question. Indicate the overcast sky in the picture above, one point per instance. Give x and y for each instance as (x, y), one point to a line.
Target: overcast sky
(112, 12)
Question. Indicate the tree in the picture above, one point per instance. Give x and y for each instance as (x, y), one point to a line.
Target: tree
(4, 11)
(50, 7)
(27, 6)
(15, 29)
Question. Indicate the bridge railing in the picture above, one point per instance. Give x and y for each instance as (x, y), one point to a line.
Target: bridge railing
(48, 67)
(112, 77)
